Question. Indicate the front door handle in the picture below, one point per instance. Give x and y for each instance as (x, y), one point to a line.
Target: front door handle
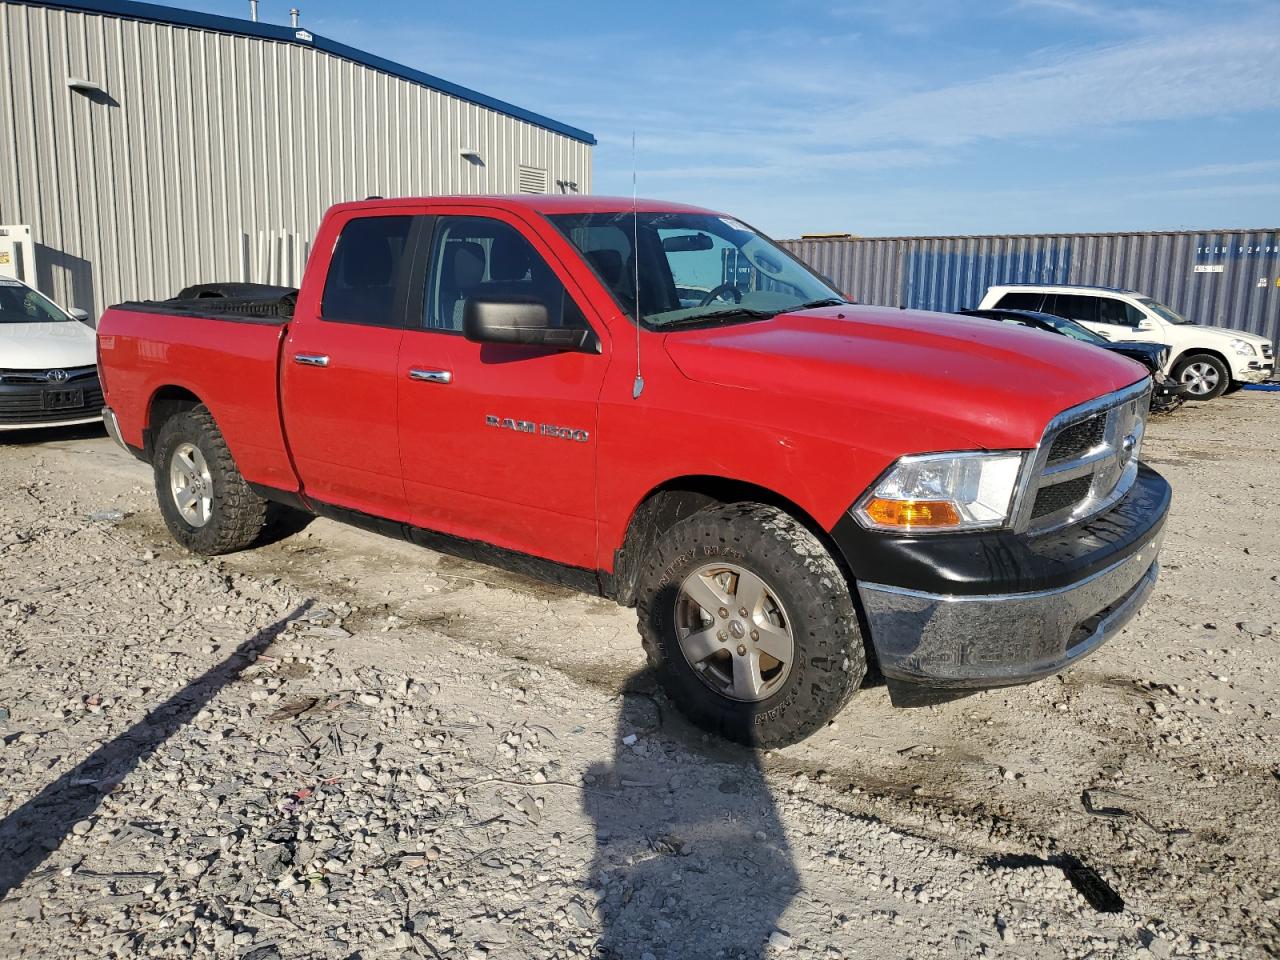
(311, 359)
(431, 376)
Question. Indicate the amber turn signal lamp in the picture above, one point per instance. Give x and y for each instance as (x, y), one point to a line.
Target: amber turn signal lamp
(906, 514)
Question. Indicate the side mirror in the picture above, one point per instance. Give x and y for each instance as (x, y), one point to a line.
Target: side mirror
(1145, 325)
(75, 313)
(522, 320)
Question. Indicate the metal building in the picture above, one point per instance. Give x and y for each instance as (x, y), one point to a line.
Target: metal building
(1228, 278)
(148, 147)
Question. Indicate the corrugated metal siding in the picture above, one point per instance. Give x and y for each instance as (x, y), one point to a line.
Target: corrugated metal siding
(951, 273)
(214, 156)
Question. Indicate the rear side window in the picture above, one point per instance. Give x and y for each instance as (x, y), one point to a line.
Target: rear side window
(366, 267)
(1021, 301)
(1081, 309)
(1118, 312)
(488, 259)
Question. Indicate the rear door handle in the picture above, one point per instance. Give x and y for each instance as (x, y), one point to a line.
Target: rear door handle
(431, 376)
(311, 359)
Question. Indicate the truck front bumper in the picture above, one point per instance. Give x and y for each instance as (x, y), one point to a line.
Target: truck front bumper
(973, 611)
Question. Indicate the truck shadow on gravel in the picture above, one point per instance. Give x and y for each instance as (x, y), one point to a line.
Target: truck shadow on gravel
(34, 830)
(691, 857)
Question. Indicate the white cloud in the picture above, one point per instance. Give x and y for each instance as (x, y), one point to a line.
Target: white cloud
(809, 122)
(1210, 72)
(1212, 170)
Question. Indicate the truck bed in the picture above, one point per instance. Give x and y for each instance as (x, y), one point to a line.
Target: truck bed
(223, 352)
(234, 302)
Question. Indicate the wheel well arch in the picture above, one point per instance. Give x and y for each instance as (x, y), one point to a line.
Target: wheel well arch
(166, 402)
(673, 500)
(1195, 351)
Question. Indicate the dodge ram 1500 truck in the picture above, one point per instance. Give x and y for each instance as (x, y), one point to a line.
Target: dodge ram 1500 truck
(658, 404)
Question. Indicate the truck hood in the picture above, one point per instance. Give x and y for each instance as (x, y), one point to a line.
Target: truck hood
(987, 385)
(45, 346)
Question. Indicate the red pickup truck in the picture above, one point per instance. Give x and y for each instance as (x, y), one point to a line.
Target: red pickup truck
(658, 404)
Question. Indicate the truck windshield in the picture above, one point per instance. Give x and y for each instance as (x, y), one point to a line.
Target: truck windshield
(20, 304)
(1167, 314)
(693, 268)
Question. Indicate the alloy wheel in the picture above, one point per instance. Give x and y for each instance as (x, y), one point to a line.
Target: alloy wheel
(191, 484)
(734, 632)
(1201, 378)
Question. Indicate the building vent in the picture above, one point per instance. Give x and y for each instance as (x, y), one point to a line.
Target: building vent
(531, 179)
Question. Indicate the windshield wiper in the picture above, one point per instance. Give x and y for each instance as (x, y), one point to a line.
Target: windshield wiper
(735, 315)
(824, 302)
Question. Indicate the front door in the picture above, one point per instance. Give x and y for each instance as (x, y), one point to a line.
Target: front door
(1110, 316)
(338, 371)
(497, 441)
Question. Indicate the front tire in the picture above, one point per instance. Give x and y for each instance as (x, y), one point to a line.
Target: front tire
(1204, 375)
(750, 624)
(206, 503)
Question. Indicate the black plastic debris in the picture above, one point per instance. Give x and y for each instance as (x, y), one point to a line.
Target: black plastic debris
(1097, 892)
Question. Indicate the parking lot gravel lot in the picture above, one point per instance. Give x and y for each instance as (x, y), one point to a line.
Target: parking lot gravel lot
(339, 745)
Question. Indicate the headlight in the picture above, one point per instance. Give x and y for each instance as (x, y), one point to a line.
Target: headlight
(942, 491)
(1243, 347)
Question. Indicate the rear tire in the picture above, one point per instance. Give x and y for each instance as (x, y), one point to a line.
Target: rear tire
(206, 503)
(1205, 376)
(715, 661)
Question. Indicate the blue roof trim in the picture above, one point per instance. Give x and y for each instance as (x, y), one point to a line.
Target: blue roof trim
(269, 31)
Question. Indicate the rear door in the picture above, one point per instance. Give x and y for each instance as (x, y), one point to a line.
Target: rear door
(497, 441)
(1082, 308)
(1115, 319)
(338, 370)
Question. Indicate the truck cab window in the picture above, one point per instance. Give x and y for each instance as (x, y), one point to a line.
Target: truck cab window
(366, 266)
(483, 257)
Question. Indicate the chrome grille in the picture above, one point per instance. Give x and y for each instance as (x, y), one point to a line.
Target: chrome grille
(42, 376)
(1266, 350)
(1060, 496)
(1086, 461)
(1078, 439)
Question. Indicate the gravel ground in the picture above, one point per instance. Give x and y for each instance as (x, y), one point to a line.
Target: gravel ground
(339, 745)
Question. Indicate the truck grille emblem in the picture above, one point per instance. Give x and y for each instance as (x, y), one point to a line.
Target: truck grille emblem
(56, 376)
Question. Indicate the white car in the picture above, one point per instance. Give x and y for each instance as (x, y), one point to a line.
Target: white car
(48, 362)
(1207, 360)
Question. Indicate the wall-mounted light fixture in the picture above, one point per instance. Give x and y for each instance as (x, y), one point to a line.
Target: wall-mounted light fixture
(472, 156)
(84, 86)
(91, 91)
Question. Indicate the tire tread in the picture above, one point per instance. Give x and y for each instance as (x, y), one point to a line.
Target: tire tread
(827, 625)
(239, 514)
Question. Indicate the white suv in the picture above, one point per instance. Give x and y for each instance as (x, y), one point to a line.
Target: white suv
(1208, 360)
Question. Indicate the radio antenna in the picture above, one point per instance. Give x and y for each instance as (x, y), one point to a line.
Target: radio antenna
(637, 388)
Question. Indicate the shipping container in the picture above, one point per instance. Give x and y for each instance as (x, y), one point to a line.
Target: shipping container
(1228, 278)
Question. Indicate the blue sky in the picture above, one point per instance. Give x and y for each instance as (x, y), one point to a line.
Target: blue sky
(887, 118)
